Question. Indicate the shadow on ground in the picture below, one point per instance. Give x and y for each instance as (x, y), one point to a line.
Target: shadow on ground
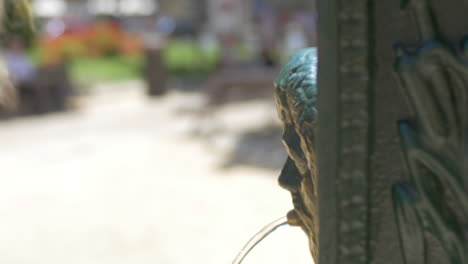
(260, 148)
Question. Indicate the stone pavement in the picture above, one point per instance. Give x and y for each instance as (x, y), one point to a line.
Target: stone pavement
(121, 181)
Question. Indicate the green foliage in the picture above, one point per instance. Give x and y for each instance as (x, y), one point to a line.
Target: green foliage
(116, 68)
(17, 19)
(187, 58)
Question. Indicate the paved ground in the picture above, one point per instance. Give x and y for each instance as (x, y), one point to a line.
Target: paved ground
(120, 181)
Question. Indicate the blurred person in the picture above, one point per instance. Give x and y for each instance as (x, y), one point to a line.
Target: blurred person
(16, 17)
(21, 70)
(295, 39)
(166, 25)
(309, 21)
(267, 25)
(55, 27)
(228, 21)
(20, 66)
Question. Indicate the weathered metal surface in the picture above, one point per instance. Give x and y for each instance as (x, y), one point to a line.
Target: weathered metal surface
(432, 203)
(296, 96)
(391, 135)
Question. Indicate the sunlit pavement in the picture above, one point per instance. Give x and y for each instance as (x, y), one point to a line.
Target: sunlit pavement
(118, 181)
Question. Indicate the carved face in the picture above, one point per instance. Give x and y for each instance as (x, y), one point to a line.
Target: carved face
(295, 95)
(297, 176)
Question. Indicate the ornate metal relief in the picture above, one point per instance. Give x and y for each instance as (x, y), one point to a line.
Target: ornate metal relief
(433, 202)
(379, 175)
(354, 124)
(296, 97)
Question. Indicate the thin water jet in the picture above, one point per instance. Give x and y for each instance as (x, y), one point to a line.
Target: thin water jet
(257, 238)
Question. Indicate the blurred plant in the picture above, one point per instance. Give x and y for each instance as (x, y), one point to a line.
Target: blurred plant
(96, 40)
(86, 71)
(55, 50)
(104, 39)
(16, 19)
(185, 57)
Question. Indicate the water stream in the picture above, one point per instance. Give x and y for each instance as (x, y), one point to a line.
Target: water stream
(267, 230)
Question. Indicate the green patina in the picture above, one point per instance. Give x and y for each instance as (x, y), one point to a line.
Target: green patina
(296, 98)
(299, 80)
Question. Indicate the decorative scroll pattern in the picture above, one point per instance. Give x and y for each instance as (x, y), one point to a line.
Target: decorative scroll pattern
(354, 78)
(433, 201)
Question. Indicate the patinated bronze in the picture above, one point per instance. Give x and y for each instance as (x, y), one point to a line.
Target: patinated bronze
(432, 205)
(377, 161)
(296, 97)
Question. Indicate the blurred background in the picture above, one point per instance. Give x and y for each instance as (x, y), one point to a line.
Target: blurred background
(146, 131)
